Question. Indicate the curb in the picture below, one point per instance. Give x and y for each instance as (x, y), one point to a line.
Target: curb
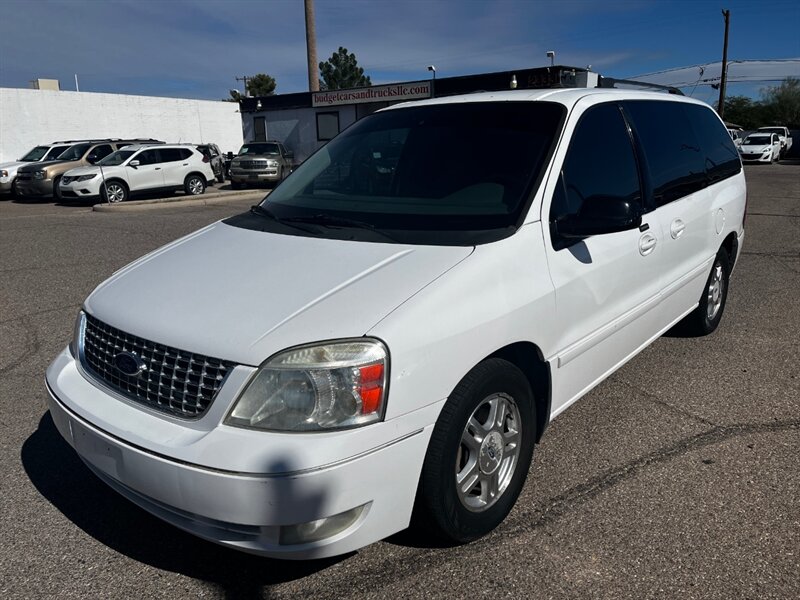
(155, 203)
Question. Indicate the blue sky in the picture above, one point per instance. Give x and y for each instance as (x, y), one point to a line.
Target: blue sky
(195, 48)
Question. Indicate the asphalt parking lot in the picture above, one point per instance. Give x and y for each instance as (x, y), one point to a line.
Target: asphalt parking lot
(676, 478)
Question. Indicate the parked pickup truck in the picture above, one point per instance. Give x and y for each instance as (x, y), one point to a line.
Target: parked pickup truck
(783, 134)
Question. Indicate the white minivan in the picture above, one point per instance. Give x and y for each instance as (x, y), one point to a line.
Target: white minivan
(391, 330)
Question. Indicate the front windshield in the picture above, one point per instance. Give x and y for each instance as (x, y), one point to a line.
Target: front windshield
(116, 158)
(74, 152)
(454, 174)
(35, 155)
(757, 140)
(55, 152)
(263, 148)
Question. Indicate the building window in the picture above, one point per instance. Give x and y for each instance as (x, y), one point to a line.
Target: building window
(260, 129)
(327, 126)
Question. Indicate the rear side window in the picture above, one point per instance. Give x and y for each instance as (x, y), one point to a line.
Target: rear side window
(185, 153)
(721, 156)
(171, 154)
(675, 160)
(600, 163)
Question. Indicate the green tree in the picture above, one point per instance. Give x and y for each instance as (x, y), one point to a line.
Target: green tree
(257, 85)
(341, 71)
(744, 111)
(782, 102)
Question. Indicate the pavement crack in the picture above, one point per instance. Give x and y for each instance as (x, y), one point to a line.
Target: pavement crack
(31, 345)
(578, 495)
(656, 400)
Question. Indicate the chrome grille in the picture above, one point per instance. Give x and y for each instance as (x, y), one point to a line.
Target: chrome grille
(252, 164)
(173, 381)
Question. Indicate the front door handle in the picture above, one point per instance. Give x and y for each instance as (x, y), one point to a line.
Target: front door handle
(157, 169)
(676, 228)
(647, 243)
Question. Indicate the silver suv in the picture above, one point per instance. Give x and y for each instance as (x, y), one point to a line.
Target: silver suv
(260, 162)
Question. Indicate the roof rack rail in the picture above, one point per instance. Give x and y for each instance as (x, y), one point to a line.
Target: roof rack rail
(611, 82)
(95, 140)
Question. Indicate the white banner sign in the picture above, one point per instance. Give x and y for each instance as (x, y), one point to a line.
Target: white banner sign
(377, 93)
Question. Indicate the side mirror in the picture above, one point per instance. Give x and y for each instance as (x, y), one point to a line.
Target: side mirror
(133, 163)
(91, 159)
(599, 215)
(289, 154)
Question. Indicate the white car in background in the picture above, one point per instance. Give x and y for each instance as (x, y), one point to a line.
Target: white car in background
(138, 169)
(8, 170)
(761, 147)
(736, 136)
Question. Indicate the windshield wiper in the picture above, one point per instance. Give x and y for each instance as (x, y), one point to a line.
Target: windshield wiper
(261, 211)
(331, 221)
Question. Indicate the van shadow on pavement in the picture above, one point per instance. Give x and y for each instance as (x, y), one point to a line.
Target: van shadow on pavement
(59, 475)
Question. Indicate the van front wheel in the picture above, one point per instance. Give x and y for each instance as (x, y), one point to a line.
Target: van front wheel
(479, 453)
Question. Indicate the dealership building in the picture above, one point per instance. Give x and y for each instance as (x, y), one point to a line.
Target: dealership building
(305, 121)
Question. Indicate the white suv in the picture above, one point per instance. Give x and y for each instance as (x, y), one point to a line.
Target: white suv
(395, 325)
(138, 169)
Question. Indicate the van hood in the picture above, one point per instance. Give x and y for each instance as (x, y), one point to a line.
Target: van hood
(242, 295)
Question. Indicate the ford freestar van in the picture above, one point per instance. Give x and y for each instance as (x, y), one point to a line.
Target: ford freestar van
(393, 328)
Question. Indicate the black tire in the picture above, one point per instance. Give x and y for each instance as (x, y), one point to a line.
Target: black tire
(704, 319)
(194, 184)
(14, 188)
(56, 186)
(114, 191)
(462, 516)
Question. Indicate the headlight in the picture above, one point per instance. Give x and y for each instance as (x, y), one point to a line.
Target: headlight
(272, 163)
(77, 333)
(87, 177)
(39, 174)
(3, 173)
(316, 388)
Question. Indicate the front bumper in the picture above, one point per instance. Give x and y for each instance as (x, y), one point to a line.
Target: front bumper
(254, 176)
(36, 188)
(5, 184)
(243, 506)
(756, 158)
(89, 190)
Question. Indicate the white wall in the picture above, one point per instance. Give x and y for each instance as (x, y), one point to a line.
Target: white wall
(31, 117)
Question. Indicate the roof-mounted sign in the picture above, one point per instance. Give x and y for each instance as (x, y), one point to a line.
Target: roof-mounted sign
(414, 90)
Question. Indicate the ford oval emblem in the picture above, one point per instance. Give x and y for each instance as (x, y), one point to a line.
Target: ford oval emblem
(129, 364)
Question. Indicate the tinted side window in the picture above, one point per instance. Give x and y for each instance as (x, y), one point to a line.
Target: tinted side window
(148, 157)
(101, 151)
(600, 163)
(170, 154)
(721, 156)
(185, 153)
(675, 161)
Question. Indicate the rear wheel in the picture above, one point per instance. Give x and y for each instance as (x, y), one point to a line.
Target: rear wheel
(194, 185)
(479, 453)
(706, 317)
(113, 192)
(56, 188)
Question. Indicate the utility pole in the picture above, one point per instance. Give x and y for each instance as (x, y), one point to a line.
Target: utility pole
(244, 78)
(311, 47)
(724, 76)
